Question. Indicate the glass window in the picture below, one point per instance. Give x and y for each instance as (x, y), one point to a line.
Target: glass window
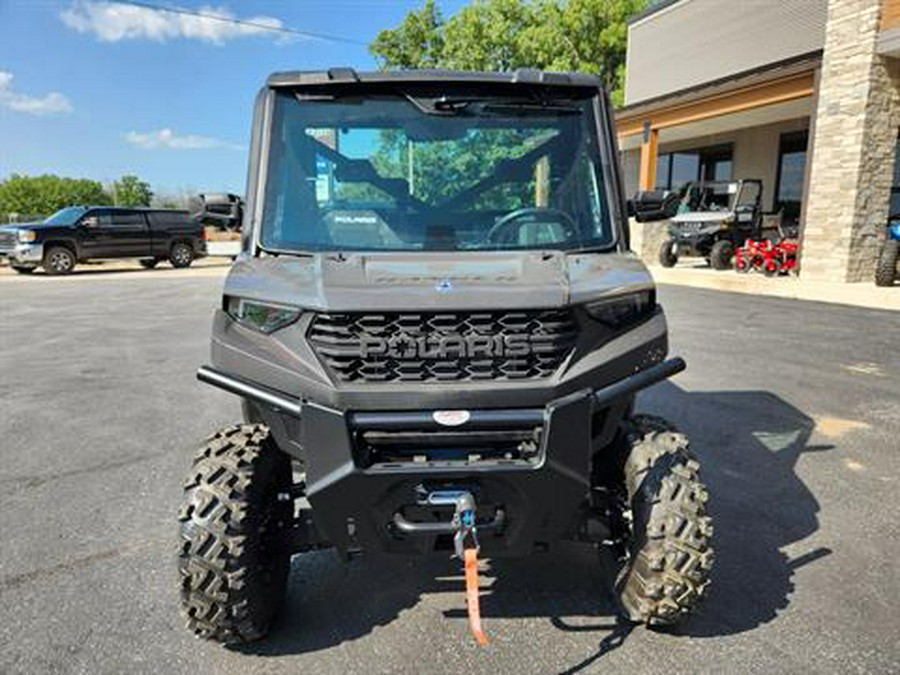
(791, 173)
(722, 169)
(66, 216)
(410, 172)
(674, 170)
(125, 219)
(663, 166)
(164, 219)
(685, 168)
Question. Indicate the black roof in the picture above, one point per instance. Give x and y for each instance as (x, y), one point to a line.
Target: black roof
(125, 208)
(350, 76)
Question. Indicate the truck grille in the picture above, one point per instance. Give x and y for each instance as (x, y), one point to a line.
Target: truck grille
(7, 239)
(443, 346)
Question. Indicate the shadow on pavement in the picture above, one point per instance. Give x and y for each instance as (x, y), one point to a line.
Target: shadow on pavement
(748, 443)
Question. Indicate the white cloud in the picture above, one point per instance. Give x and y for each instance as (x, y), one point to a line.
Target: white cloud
(168, 139)
(113, 21)
(48, 104)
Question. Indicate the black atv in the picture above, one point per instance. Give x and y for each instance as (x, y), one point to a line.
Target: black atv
(711, 220)
(438, 334)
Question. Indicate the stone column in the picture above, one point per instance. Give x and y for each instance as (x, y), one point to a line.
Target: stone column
(857, 117)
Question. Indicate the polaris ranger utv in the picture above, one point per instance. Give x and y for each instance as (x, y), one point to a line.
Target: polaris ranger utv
(437, 333)
(715, 218)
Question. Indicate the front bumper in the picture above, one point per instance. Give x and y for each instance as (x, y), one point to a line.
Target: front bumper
(362, 500)
(26, 255)
(694, 243)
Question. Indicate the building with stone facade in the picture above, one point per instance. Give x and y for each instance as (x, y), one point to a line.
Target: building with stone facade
(803, 94)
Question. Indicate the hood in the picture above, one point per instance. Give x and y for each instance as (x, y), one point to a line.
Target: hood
(435, 281)
(700, 217)
(12, 227)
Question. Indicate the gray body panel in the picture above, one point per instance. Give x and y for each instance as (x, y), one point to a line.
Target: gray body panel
(401, 281)
(285, 361)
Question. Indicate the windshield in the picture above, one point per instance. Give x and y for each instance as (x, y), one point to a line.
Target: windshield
(411, 172)
(66, 216)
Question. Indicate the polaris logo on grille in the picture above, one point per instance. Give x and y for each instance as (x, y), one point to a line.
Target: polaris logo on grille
(444, 346)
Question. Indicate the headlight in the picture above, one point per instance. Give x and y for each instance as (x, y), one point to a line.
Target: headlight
(260, 316)
(27, 236)
(623, 310)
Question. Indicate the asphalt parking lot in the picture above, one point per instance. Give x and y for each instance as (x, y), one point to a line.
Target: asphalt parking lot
(793, 408)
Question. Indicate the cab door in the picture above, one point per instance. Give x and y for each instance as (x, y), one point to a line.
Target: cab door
(94, 234)
(127, 233)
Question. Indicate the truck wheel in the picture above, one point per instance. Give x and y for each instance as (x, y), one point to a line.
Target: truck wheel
(59, 260)
(181, 255)
(721, 255)
(148, 263)
(22, 270)
(667, 255)
(233, 571)
(670, 557)
(886, 271)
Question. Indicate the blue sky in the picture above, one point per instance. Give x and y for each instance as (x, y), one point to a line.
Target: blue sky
(96, 90)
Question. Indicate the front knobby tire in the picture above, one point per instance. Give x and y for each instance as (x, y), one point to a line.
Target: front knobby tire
(670, 557)
(233, 572)
(721, 256)
(667, 255)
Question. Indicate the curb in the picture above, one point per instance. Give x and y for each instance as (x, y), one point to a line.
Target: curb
(856, 294)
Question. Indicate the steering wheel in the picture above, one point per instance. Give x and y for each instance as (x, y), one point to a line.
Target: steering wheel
(513, 218)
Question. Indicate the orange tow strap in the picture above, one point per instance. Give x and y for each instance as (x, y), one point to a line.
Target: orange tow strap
(471, 560)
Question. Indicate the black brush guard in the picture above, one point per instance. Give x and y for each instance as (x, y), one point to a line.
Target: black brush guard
(526, 501)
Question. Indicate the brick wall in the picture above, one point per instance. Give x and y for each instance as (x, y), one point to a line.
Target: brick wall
(857, 117)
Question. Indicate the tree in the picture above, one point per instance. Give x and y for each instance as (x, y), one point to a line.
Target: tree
(418, 42)
(42, 195)
(130, 190)
(585, 35)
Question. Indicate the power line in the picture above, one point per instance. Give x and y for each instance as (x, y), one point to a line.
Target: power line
(242, 22)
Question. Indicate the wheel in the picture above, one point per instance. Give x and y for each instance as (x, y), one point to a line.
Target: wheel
(233, 571)
(181, 255)
(149, 263)
(59, 260)
(772, 268)
(886, 270)
(669, 554)
(721, 255)
(667, 253)
(22, 270)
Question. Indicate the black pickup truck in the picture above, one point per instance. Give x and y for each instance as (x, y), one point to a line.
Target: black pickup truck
(79, 233)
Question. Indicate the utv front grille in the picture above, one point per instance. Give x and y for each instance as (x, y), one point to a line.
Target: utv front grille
(443, 346)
